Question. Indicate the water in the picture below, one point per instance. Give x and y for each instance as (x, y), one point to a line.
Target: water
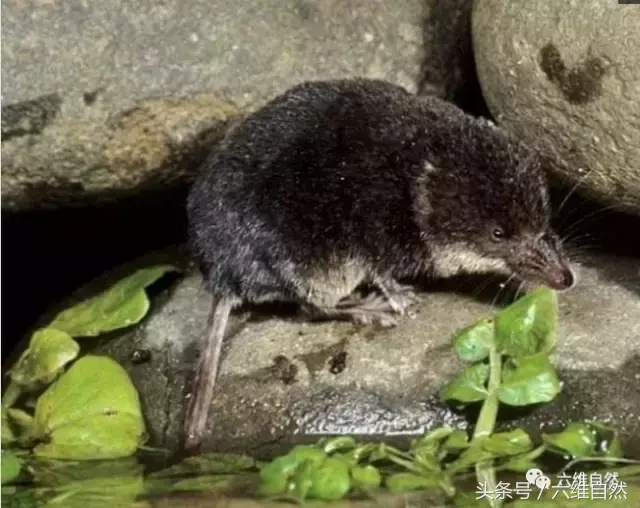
(151, 479)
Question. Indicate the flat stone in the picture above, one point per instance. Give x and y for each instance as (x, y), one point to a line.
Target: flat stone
(566, 76)
(103, 99)
(286, 380)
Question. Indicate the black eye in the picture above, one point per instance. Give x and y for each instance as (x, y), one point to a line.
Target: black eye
(497, 234)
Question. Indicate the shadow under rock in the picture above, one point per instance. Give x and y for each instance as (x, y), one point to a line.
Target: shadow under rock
(589, 229)
(48, 255)
(448, 68)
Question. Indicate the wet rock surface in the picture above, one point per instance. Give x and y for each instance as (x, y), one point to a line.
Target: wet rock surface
(566, 76)
(101, 100)
(286, 380)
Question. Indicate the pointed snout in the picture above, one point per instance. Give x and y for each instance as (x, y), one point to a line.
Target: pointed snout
(560, 277)
(543, 261)
(556, 271)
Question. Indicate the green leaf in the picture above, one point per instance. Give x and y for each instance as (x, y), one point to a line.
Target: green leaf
(426, 459)
(473, 455)
(274, 476)
(11, 466)
(285, 466)
(407, 482)
(508, 443)
(609, 444)
(366, 477)
(91, 412)
(577, 440)
(522, 463)
(308, 453)
(469, 386)
(529, 325)
(473, 343)
(613, 448)
(272, 483)
(529, 380)
(21, 425)
(502, 444)
(303, 479)
(352, 457)
(94, 437)
(330, 480)
(8, 436)
(339, 443)
(123, 304)
(380, 452)
(433, 438)
(101, 492)
(458, 440)
(13, 497)
(48, 352)
(58, 473)
(21, 419)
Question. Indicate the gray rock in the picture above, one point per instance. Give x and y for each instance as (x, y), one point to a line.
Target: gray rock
(52, 159)
(105, 98)
(566, 75)
(285, 380)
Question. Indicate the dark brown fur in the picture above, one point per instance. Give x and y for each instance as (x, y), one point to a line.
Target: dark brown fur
(338, 183)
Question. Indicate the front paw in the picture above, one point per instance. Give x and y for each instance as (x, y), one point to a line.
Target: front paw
(382, 319)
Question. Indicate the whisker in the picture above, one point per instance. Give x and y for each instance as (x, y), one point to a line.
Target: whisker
(572, 190)
(503, 286)
(481, 287)
(581, 249)
(578, 243)
(583, 246)
(591, 215)
(575, 237)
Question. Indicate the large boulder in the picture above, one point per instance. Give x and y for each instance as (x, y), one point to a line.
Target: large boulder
(286, 380)
(110, 98)
(566, 76)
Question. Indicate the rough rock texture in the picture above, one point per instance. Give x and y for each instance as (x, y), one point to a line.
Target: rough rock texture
(284, 380)
(50, 157)
(567, 75)
(103, 98)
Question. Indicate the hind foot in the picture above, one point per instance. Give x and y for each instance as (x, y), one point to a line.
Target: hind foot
(395, 298)
(364, 314)
(372, 309)
(399, 297)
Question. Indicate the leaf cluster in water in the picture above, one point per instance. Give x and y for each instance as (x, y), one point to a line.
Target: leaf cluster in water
(89, 408)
